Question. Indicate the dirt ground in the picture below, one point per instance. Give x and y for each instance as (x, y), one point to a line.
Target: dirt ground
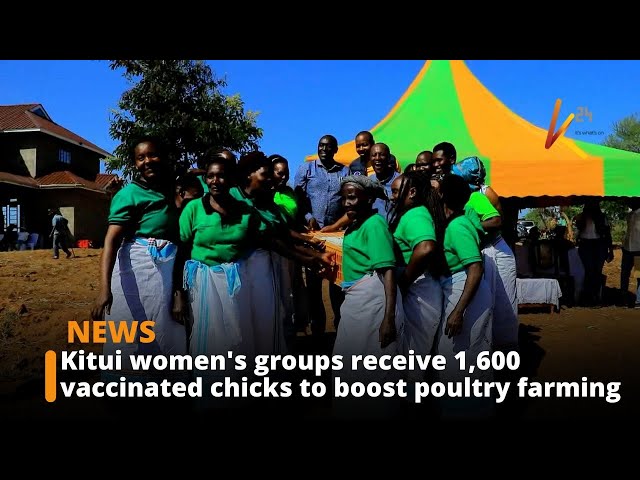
(41, 295)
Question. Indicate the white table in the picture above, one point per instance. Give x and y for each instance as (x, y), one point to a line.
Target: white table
(538, 291)
(576, 269)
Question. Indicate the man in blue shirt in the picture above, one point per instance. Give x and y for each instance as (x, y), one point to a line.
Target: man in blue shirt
(317, 185)
(59, 233)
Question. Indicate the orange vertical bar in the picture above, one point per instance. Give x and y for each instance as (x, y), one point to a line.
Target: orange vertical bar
(50, 376)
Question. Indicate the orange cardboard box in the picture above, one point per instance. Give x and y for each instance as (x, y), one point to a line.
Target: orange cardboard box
(333, 244)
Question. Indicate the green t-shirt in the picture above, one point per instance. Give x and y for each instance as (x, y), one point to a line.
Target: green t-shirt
(272, 219)
(462, 242)
(286, 200)
(415, 226)
(145, 212)
(215, 239)
(479, 203)
(480, 206)
(367, 247)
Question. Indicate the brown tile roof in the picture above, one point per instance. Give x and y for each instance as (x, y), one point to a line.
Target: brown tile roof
(18, 180)
(61, 179)
(13, 117)
(20, 117)
(66, 178)
(103, 179)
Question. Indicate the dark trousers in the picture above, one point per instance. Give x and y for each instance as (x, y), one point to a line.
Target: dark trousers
(300, 298)
(317, 312)
(593, 254)
(625, 268)
(60, 242)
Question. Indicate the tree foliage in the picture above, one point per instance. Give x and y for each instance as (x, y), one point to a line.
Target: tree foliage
(182, 102)
(615, 210)
(626, 134)
(539, 216)
(572, 211)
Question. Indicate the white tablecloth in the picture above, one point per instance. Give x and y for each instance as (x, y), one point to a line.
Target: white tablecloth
(538, 290)
(576, 269)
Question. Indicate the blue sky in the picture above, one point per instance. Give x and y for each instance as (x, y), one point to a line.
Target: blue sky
(301, 100)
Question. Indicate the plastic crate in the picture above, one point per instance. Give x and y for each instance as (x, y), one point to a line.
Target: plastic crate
(83, 244)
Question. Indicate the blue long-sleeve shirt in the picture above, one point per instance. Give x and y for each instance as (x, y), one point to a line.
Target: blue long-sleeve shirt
(321, 187)
(384, 206)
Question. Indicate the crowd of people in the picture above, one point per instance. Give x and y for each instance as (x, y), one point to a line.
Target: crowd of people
(221, 257)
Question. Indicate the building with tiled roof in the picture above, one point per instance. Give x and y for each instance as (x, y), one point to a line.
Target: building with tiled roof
(44, 165)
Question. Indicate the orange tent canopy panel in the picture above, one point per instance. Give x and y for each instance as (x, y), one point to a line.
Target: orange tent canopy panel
(446, 102)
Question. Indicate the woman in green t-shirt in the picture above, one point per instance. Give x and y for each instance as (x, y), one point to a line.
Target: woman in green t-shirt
(262, 268)
(283, 195)
(217, 232)
(137, 280)
(371, 317)
(500, 262)
(466, 321)
(293, 289)
(417, 224)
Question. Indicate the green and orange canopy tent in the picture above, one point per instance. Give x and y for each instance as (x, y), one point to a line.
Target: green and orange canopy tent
(446, 102)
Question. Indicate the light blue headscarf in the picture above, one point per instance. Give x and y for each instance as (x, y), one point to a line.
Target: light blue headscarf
(472, 170)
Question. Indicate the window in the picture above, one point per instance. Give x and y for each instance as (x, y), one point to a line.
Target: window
(11, 214)
(64, 156)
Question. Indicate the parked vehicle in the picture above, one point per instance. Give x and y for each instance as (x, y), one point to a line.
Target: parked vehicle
(528, 224)
(521, 231)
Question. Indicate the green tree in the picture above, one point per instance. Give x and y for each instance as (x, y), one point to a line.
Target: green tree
(536, 215)
(615, 210)
(626, 134)
(182, 102)
(541, 217)
(571, 211)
